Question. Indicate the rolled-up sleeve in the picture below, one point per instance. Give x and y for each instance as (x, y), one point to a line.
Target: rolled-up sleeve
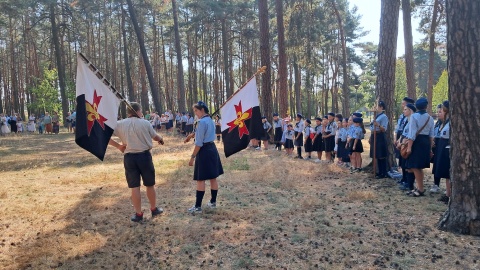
(200, 133)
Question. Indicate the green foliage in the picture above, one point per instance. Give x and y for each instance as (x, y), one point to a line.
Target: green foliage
(420, 54)
(440, 90)
(46, 94)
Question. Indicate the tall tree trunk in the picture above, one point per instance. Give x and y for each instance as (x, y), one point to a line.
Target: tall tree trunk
(387, 56)
(408, 38)
(463, 37)
(282, 61)
(165, 73)
(431, 53)
(343, 41)
(265, 57)
(60, 66)
(126, 59)
(178, 50)
(146, 61)
(298, 83)
(226, 62)
(1, 97)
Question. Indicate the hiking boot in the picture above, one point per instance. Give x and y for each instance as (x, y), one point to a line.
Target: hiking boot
(195, 210)
(157, 211)
(136, 218)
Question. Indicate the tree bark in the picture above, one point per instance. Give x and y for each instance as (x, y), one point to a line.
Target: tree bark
(408, 38)
(345, 87)
(297, 84)
(463, 37)
(265, 57)
(178, 50)
(226, 50)
(387, 56)
(126, 59)
(282, 61)
(58, 58)
(431, 53)
(146, 61)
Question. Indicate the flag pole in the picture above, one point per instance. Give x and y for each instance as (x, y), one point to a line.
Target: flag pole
(110, 86)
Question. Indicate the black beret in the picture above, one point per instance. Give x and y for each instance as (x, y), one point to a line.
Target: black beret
(331, 114)
(409, 100)
(308, 121)
(318, 119)
(357, 114)
(446, 104)
(382, 104)
(421, 103)
(411, 107)
(299, 115)
(358, 120)
(275, 114)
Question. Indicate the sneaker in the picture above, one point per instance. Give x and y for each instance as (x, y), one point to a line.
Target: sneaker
(317, 160)
(136, 218)
(308, 158)
(435, 189)
(212, 205)
(195, 210)
(157, 211)
(258, 148)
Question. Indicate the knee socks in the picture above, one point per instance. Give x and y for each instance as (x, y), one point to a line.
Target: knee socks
(382, 166)
(410, 180)
(214, 195)
(198, 202)
(436, 181)
(299, 151)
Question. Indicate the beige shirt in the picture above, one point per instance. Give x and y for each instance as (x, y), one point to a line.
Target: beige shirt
(136, 133)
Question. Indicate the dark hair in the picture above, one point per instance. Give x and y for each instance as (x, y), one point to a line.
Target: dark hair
(135, 106)
(201, 105)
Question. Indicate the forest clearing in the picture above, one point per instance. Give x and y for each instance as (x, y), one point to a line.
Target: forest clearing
(64, 209)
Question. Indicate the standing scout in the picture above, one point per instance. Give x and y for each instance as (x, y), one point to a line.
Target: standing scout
(307, 133)
(298, 142)
(378, 127)
(329, 136)
(278, 128)
(136, 135)
(206, 158)
(317, 143)
(266, 129)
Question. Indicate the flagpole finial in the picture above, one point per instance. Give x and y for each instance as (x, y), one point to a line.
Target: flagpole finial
(261, 70)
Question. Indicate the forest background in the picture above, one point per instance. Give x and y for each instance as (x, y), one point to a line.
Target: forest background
(205, 50)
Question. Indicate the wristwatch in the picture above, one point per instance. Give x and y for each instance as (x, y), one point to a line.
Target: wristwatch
(192, 156)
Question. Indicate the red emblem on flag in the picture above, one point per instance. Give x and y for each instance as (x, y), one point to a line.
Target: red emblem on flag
(240, 121)
(92, 113)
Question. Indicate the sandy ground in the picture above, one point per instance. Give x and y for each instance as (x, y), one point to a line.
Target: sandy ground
(64, 209)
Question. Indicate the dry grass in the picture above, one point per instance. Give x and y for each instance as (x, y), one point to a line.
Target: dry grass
(64, 209)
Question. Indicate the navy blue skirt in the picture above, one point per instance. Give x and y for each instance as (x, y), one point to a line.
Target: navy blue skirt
(441, 165)
(420, 156)
(298, 142)
(308, 145)
(278, 134)
(207, 163)
(318, 145)
(341, 150)
(381, 146)
(358, 148)
(288, 144)
(218, 130)
(329, 144)
(265, 136)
